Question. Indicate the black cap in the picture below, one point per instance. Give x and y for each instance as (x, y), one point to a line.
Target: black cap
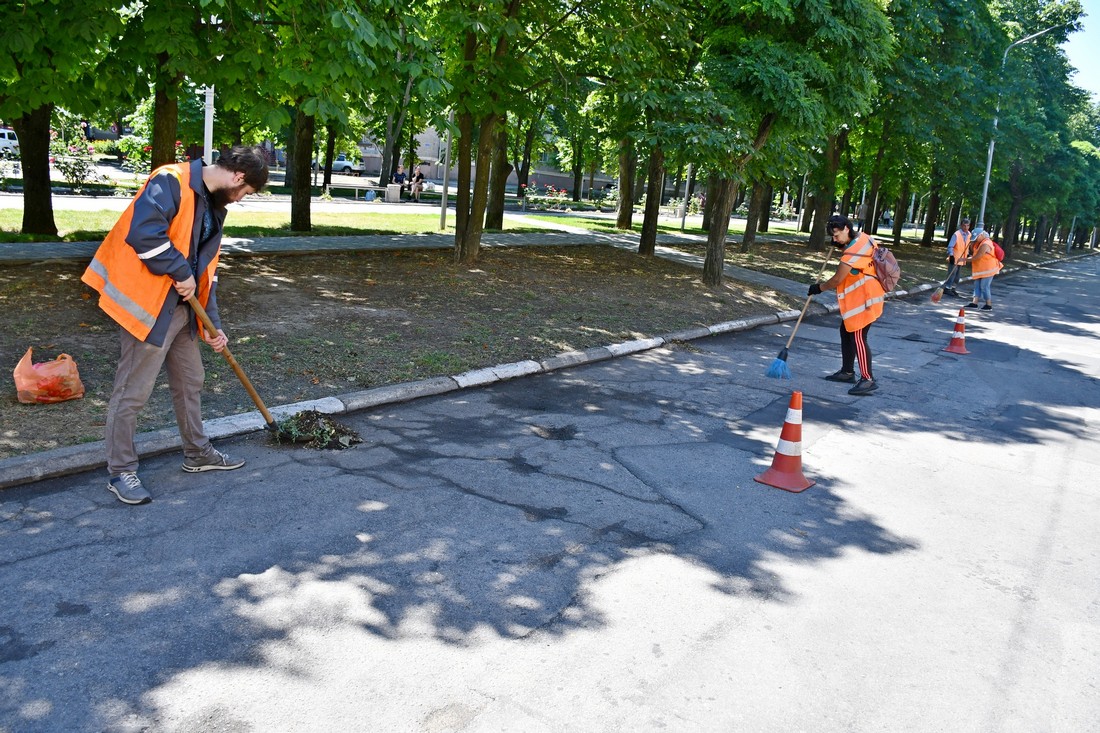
(836, 221)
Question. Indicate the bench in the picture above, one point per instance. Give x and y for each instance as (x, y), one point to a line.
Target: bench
(379, 191)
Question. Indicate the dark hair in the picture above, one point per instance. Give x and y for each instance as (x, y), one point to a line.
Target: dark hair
(249, 160)
(836, 221)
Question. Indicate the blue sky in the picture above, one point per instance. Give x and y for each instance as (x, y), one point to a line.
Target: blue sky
(1083, 49)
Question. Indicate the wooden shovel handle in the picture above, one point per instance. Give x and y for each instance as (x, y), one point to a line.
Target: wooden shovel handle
(209, 326)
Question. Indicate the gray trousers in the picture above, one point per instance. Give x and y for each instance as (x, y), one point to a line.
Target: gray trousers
(138, 367)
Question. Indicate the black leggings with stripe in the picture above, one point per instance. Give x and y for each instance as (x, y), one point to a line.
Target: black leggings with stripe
(853, 346)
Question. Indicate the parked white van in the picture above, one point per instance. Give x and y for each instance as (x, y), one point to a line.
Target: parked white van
(9, 143)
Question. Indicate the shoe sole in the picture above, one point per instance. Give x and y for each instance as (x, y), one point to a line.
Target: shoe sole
(124, 500)
(862, 392)
(200, 469)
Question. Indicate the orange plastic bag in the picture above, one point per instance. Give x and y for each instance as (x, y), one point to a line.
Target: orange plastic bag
(50, 381)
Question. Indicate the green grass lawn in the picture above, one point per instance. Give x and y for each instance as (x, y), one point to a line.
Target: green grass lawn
(84, 226)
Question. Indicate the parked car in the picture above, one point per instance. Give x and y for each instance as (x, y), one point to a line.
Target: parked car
(342, 165)
(9, 143)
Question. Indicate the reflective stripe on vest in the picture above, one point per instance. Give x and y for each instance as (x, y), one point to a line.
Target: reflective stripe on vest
(860, 295)
(129, 292)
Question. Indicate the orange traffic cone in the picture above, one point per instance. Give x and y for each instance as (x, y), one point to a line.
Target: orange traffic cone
(786, 470)
(958, 339)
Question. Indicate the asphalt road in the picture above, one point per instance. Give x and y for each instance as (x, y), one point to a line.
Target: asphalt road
(586, 550)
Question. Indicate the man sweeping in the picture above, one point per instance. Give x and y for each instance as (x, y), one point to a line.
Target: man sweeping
(162, 251)
(860, 296)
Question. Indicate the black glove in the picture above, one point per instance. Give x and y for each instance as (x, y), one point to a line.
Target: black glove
(815, 289)
(951, 261)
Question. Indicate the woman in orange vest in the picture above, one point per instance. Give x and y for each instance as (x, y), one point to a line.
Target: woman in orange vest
(860, 296)
(163, 250)
(984, 265)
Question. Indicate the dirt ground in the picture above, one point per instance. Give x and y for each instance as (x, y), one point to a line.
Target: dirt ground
(304, 327)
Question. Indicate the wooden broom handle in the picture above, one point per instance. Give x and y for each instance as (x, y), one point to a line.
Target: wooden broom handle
(808, 298)
(209, 326)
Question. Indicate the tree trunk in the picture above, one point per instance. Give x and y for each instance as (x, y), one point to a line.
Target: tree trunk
(808, 213)
(1015, 190)
(713, 184)
(723, 192)
(756, 206)
(498, 181)
(932, 214)
(468, 240)
(901, 212)
(578, 168)
(627, 163)
(647, 244)
(874, 207)
(1040, 229)
(462, 185)
(330, 154)
(523, 165)
(825, 183)
(165, 117)
(33, 130)
(304, 128)
(766, 213)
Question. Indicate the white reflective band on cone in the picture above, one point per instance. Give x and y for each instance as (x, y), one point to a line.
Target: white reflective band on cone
(787, 448)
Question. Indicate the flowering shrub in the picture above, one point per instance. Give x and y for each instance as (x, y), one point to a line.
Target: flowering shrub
(138, 153)
(552, 198)
(74, 158)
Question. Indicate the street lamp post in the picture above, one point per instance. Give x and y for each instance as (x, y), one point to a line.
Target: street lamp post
(208, 124)
(446, 174)
(996, 114)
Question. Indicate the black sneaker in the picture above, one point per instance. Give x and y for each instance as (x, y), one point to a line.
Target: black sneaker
(842, 376)
(987, 307)
(215, 461)
(129, 489)
(971, 305)
(865, 387)
(952, 292)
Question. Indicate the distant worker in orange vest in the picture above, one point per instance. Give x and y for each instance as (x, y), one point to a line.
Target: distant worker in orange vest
(984, 265)
(162, 251)
(958, 247)
(860, 296)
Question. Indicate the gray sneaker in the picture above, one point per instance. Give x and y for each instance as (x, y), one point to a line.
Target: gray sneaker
(215, 461)
(129, 489)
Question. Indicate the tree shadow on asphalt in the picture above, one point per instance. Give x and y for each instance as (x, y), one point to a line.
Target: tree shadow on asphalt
(455, 521)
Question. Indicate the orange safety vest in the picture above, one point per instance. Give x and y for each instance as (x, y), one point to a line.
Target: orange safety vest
(961, 244)
(860, 294)
(128, 292)
(985, 265)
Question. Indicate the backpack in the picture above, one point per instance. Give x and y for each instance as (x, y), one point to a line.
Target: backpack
(997, 251)
(887, 269)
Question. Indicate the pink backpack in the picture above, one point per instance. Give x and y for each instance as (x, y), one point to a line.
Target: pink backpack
(887, 269)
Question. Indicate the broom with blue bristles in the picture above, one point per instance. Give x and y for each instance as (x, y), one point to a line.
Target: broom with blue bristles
(779, 368)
